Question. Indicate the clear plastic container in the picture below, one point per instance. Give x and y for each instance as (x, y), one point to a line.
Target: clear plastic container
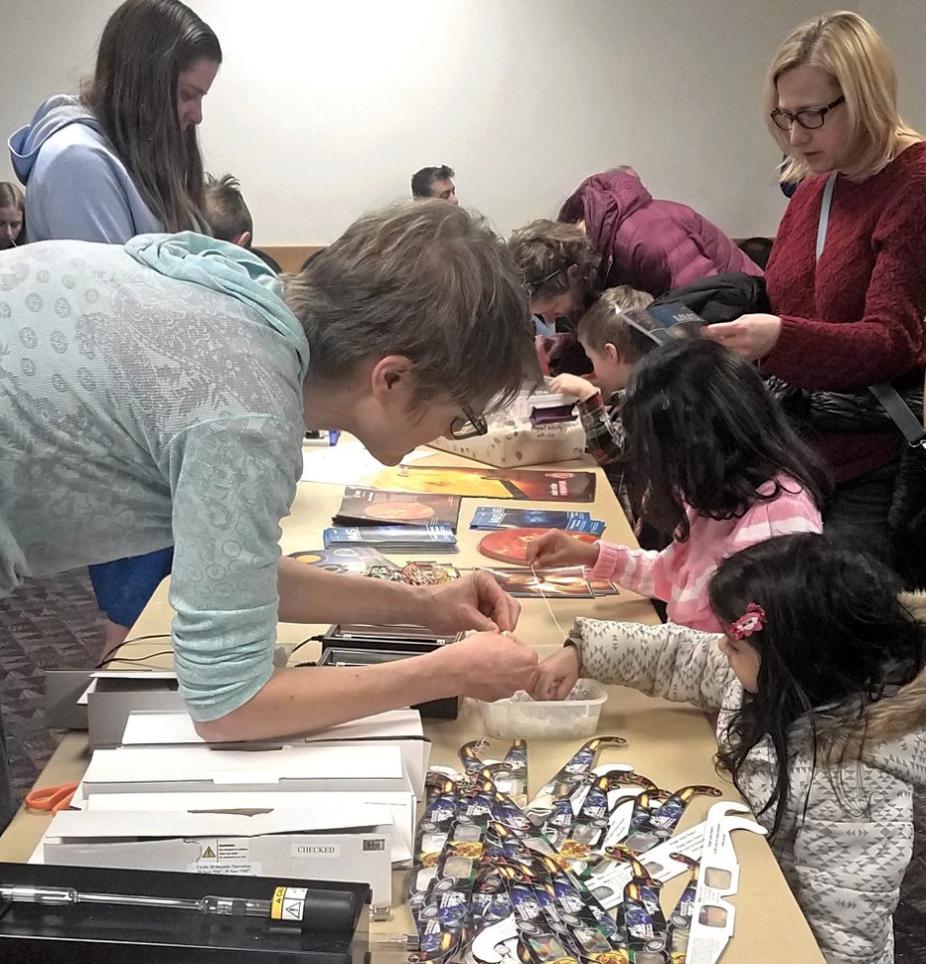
(523, 718)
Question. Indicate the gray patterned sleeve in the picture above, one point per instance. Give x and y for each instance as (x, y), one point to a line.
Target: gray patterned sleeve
(232, 481)
(677, 663)
(850, 856)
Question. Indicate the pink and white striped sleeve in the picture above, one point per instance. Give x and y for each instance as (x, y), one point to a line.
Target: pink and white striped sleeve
(644, 571)
(793, 511)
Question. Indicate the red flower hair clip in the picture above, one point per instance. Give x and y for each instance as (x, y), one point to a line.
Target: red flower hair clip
(750, 622)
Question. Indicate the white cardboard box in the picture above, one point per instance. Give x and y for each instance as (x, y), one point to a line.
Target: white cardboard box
(351, 843)
(182, 778)
(398, 728)
(512, 440)
(518, 444)
(198, 769)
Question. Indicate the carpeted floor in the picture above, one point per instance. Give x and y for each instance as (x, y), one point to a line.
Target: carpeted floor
(45, 624)
(56, 623)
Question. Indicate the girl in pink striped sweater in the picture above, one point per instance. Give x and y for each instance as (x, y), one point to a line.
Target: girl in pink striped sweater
(712, 460)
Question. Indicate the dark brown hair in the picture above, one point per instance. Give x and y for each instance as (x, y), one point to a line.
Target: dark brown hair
(225, 208)
(702, 432)
(423, 180)
(423, 279)
(835, 641)
(133, 93)
(543, 251)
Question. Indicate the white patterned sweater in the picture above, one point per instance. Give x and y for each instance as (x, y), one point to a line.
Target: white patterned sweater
(845, 857)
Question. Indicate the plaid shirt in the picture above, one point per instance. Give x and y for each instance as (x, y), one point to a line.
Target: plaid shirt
(604, 430)
(604, 436)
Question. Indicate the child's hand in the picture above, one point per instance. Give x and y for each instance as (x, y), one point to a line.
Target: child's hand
(566, 384)
(557, 675)
(555, 548)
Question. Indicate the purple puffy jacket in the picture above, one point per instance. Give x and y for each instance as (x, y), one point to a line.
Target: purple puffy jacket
(649, 244)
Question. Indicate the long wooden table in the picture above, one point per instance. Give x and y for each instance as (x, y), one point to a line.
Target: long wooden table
(671, 743)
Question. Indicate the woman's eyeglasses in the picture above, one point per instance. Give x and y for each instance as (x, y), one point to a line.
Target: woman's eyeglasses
(469, 425)
(810, 119)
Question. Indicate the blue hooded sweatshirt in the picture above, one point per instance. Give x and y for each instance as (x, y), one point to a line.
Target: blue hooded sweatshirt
(78, 187)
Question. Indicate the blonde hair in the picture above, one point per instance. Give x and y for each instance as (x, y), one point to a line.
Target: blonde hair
(849, 48)
(605, 323)
(11, 196)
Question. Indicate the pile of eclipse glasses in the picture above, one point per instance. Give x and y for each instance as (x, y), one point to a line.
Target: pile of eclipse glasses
(485, 854)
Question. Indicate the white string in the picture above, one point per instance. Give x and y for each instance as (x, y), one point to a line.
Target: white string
(543, 596)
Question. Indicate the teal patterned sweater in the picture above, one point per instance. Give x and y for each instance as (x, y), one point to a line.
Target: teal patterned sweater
(151, 394)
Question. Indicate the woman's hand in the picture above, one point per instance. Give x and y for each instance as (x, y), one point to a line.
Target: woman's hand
(487, 666)
(555, 549)
(557, 675)
(473, 602)
(752, 336)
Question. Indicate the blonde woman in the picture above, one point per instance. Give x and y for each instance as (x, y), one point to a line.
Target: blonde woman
(853, 317)
(12, 209)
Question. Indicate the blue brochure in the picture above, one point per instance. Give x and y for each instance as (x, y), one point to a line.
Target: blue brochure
(492, 517)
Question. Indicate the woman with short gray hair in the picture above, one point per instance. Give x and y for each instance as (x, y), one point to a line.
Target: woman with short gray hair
(169, 381)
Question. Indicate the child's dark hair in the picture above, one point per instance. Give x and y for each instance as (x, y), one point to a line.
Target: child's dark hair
(603, 323)
(225, 208)
(702, 431)
(835, 636)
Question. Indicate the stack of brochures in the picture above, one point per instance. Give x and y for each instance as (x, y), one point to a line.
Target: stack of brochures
(500, 517)
(403, 539)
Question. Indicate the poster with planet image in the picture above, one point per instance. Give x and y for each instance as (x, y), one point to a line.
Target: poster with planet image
(534, 485)
(351, 561)
(361, 506)
(510, 545)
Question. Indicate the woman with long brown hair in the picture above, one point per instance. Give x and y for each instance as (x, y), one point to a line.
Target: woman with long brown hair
(122, 158)
(119, 160)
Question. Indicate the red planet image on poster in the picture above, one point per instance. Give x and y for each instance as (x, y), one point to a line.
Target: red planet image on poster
(399, 511)
(510, 545)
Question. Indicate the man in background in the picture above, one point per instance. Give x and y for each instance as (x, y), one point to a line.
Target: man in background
(435, 182)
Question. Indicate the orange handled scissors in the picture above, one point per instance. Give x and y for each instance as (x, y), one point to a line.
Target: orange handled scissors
(51, 799)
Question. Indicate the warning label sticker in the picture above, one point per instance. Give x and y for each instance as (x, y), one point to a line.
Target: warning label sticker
(225, 856)
(288, 903)
(233, 851)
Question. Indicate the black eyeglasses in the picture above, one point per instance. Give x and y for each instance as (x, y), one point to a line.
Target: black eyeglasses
(810, 119)
(469, 425)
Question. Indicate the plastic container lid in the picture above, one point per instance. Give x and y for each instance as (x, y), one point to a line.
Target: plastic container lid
(520, 717)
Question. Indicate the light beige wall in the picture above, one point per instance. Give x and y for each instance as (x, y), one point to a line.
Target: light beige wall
(324, 109)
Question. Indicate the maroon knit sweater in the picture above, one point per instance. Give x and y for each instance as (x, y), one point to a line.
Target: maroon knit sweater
(856, 317)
